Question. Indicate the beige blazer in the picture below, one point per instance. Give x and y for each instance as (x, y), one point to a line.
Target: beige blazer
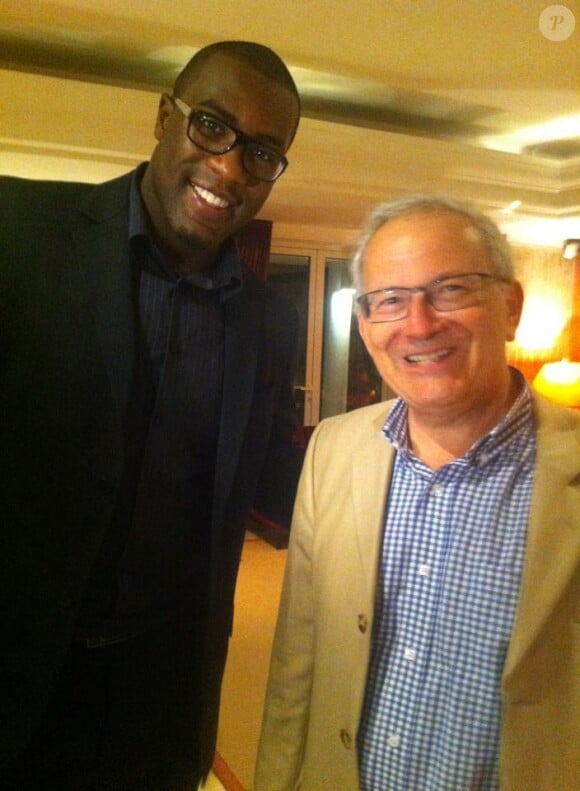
(322, 642)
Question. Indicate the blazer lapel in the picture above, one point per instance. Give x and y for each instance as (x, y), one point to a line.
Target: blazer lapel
(103, 250)
(553, 540)
(371, 472)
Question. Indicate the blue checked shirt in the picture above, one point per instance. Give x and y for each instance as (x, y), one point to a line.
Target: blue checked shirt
(448, 586)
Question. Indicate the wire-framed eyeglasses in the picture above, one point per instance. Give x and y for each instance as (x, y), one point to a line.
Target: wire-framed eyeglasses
(445, 294)
(213, 135)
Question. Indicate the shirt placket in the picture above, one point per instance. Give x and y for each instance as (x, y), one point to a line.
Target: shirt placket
(417, 614)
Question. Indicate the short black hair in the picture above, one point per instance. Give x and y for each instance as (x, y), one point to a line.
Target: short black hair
(258, 56)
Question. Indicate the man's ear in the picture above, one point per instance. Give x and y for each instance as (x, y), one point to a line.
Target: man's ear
(515, 304)
(363, 330)
(163, 112)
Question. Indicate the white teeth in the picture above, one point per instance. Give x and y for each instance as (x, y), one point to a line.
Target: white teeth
(425, 358)
(210, 198)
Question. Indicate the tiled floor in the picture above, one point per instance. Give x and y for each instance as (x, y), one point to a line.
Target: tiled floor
(257, 597)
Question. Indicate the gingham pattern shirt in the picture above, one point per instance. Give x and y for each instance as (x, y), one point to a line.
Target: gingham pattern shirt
(448, 586)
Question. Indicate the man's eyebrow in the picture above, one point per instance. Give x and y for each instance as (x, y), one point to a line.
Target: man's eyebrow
(443, 276)
(214, 107)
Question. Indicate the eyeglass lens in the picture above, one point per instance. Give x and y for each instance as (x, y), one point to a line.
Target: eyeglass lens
(446, 294)
(216, 137)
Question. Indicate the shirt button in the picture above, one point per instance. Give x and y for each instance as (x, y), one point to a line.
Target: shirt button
(346, 738)
(437, 489)
(394, 740)
(410, 654)
(424, 570)
(363, 623)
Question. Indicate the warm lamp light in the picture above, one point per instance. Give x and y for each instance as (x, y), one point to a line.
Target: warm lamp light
(571, 249)
(560, 382)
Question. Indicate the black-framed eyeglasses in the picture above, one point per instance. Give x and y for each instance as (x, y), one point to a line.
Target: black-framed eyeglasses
(444, 294)
(213, 135)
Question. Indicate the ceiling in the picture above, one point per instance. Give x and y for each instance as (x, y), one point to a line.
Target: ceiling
(477, 98)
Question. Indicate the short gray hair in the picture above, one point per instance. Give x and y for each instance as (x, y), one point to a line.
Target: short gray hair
(491, 236)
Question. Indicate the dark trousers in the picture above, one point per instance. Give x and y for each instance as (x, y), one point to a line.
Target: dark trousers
(123, 718)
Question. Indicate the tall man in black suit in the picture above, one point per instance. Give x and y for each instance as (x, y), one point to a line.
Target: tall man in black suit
(145, 384)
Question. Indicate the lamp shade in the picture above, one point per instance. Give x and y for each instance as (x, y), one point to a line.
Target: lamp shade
(560, 382)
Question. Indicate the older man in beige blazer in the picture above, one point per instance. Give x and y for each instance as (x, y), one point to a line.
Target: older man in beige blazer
(443, 352)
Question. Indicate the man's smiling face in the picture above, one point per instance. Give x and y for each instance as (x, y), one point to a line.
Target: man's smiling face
(196, 199)
(443, 364)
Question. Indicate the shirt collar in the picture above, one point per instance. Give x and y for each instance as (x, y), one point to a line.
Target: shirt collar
(225, 275)
(518, 417)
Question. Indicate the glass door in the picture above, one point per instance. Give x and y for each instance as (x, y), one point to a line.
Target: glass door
(348, 378)
(334, 371)
(290, 273)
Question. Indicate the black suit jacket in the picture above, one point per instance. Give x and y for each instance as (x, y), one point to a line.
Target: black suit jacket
(67, 354)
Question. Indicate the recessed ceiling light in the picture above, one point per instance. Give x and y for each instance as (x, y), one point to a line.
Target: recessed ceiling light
(567, 126)
(513, 206)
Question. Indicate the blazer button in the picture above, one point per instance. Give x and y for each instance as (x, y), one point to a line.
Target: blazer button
(363, 623)
(65, 600)
(346, 738)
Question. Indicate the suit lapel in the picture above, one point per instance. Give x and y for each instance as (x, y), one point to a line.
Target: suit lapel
(371, 471)
(553, 540)
(103, 250)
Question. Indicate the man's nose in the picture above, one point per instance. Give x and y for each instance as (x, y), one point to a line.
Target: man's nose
(422, 319)
(230, 165)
